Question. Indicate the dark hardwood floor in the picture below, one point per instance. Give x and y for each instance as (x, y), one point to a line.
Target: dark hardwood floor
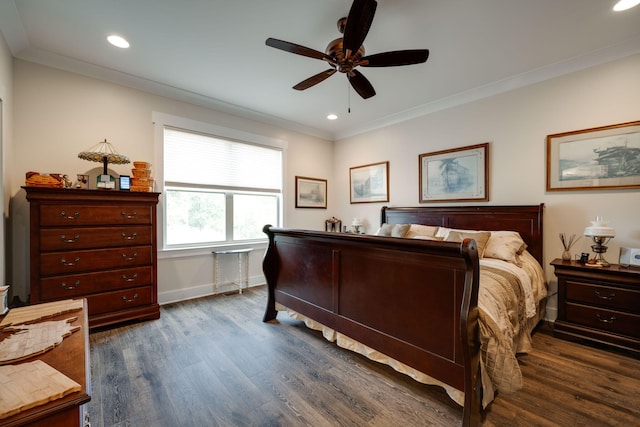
(213, 362)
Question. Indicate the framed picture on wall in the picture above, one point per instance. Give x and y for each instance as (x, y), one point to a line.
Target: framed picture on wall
(369, 183)
(311, 192)
(456, 175)
(599, 158)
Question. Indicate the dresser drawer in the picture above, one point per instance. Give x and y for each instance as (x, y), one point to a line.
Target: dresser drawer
(68, 286)
(119, 300)
(71, 262)
(603, 296)
(67, 239)
(73, 214)
(606, 320)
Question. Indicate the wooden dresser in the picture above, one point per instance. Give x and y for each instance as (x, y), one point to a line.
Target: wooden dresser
(599, 304)
(97, 244)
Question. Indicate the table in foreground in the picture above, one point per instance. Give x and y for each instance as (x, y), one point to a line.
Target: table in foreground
(70, 358)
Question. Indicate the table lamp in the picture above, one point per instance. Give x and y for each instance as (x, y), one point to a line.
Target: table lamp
(104, 153)
(601, 234)
(356, 224)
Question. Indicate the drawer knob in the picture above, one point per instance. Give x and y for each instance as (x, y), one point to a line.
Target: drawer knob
(131, 237)
(69, 264)
(73, 239)
(609, 297)
(71, 217)
(130, 279)
(128, 300)
(604, 320)
(70, 287)
(129, 216)
(133, 257)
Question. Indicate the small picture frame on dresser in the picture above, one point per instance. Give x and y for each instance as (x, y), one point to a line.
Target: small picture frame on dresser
(83, 181)
(125, 183)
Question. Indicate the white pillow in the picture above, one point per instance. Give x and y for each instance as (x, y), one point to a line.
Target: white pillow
(421, 230)
(443, 232)
(505, 245)
(393, 230)
(419, 237)
(481, 238)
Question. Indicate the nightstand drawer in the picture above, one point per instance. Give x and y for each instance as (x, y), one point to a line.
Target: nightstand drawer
(609, 296)
(602, 319)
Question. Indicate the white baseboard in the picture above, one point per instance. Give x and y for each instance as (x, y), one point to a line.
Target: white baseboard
(203, 291)
(551, 314)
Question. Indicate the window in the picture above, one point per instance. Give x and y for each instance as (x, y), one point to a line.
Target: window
(218, 190)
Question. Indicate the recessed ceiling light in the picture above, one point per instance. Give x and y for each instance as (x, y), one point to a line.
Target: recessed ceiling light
(625, 4)
(332, 117)
(118, 41)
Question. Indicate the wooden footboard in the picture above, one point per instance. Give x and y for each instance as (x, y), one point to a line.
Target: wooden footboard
(413, 300)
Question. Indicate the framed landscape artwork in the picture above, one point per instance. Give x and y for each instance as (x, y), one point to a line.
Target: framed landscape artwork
(599, 158)
(369, 183)
(311, 192)
(456, 175)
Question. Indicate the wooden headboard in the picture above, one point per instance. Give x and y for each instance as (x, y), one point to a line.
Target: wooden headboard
(526, 220)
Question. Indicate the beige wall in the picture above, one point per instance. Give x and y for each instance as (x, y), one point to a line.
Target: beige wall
(516, 124)
(6, 97)
(59, 114)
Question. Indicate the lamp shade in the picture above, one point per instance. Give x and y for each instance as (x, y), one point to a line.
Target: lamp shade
(104, 153)
(599, 228)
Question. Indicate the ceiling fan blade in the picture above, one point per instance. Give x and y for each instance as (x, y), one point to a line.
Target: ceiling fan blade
(358, 24)
(361, 84)
(314, 80)
(395, 58)
(297, 49)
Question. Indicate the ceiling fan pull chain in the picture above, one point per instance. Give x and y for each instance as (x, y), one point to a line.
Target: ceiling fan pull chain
(348, 99)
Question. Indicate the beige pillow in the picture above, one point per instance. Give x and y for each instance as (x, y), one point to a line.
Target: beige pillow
(420, 237)
(393, 230)
(443, 232)
(505, 245)
(481, 238)
(421, 230)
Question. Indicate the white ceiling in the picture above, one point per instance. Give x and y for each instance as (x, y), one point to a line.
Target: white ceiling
(213, 52)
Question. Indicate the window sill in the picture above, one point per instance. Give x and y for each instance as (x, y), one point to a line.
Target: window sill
(207, 250)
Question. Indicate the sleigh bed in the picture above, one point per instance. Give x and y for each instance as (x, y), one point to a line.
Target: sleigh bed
(431, 295)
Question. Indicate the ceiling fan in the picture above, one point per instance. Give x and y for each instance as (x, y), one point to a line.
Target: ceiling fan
(346, 53)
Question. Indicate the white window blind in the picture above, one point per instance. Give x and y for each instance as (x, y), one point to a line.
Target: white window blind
(192, 158)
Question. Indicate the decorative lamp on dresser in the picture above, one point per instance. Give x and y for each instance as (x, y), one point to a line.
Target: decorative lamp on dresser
(598, 304)
(97, 244)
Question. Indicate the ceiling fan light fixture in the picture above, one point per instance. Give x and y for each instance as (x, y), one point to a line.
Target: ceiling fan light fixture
(625, 4)
(118, 41)
(346, 53)
(332, 117)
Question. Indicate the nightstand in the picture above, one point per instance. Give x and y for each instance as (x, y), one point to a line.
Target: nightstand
(598, 304)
